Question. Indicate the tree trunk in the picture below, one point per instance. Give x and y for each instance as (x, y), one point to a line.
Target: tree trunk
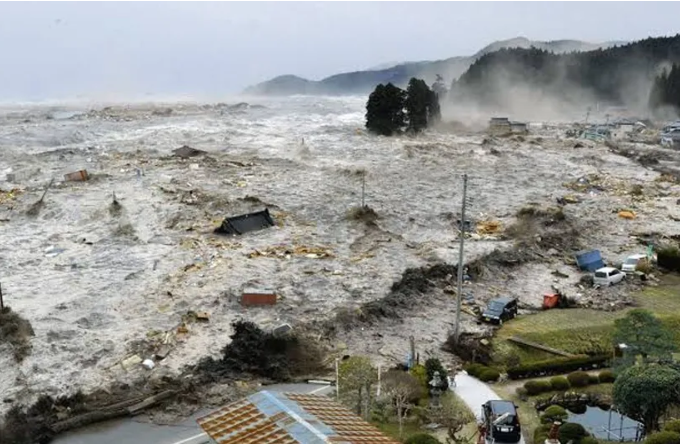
(400, 417)
(359, 400)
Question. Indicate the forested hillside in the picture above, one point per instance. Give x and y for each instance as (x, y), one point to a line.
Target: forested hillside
(622, 75)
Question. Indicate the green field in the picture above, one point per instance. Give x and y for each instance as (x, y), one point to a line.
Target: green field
(581, 330)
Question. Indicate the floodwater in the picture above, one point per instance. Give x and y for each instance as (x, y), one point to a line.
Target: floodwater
(608, 425)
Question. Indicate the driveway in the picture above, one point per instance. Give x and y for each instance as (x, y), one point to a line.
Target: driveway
(474, 393)
(131, 431)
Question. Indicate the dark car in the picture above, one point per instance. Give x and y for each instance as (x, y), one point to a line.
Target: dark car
(500, 310)
(501, 421)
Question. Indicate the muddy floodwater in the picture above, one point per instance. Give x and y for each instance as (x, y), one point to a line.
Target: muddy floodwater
(104, 285)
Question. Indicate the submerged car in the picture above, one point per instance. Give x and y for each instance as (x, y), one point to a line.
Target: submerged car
(500, 310)
(501, 421)
(607, 276)
(631, 262)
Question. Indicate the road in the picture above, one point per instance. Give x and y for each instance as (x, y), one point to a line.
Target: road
(131, 431)
(475, 393)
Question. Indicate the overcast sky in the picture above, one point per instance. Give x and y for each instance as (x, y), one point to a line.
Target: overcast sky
(62, 50)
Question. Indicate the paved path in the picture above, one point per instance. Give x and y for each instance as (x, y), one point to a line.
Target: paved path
(475, 393)
(131, 431)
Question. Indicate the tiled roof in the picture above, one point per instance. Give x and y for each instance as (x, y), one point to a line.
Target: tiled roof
(277, 418)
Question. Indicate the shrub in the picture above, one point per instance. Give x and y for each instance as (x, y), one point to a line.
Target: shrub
(570, 431)
(522, 393)
(557, 366)
(537, 387)
(589, 440)
(474, 369)
(672, 426)
(559, 383)
(420, 373)
(668, 257)
(664, 437)
(554, 413)
(606, 376)
(489, 375)
(422, 438)
(541, 433)
(593, 379)
(578, 379)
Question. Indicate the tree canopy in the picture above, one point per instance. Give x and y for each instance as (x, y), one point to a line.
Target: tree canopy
(645, 336)
(385, 110)
(390, 110)
(666, 89)
(609, 75)
(645, 392)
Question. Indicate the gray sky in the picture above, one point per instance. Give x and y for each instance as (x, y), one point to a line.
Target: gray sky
(62, 50)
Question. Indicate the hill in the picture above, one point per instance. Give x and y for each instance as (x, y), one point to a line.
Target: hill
(363, 82)
(508, 80)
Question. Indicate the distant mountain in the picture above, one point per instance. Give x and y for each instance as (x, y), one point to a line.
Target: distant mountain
(363, 82)
(519, 80)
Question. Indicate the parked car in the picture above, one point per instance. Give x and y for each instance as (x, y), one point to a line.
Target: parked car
(607, 276)
(500, 310)
(631, 262)
(501, 421)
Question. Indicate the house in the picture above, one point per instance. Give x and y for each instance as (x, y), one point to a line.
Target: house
(499, 125)
(270, 417)
(519, 128)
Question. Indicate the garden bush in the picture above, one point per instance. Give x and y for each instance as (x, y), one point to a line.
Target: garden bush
(578, 379)
(593, 379)
(570, 431)
(558, 365)
(537, 387)
(559, 383)
(672, 426)
(489, 375)
(541, 433)
(589, 440)
(422, 438)
(554, 413)
(606, 376)
(473, 369)
(664, 437)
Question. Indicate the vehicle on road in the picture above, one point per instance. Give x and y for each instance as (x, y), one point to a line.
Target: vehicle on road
(607, 276)
(500, 310)
(501, 421)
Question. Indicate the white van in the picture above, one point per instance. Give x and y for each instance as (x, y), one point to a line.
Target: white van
(607, 276)
(631, 262)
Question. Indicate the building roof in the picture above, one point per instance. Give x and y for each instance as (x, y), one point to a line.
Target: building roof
(276, 418)
(246, 222)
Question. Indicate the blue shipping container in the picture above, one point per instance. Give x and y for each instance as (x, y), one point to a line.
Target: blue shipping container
(589, 260)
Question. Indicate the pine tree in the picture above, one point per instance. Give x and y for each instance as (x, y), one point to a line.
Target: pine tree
(418, 101)
(385, 110)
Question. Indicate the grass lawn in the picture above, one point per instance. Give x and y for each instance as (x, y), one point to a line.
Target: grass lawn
(581, 330)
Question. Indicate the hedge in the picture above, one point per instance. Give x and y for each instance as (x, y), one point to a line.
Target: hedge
(663, 438)
(537, 387)
(570, 431)
(593, 379)
(554, 413)
(606, 376)
(559, 383)
(489, 375)
(558, 366)
(578, 379)
(474, 369)
(672, 426)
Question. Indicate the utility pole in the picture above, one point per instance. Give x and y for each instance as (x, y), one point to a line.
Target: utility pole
(337, 379)
(461, 264)
(363, 189)
(2, 304)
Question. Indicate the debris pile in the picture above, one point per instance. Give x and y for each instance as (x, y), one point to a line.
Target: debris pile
(286, 252)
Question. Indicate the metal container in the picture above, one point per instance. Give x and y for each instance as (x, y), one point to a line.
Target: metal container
(78, 176)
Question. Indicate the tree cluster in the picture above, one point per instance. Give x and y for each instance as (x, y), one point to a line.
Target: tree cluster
(391, 110)
(648, 381)
(604, 75)
(666, 89)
